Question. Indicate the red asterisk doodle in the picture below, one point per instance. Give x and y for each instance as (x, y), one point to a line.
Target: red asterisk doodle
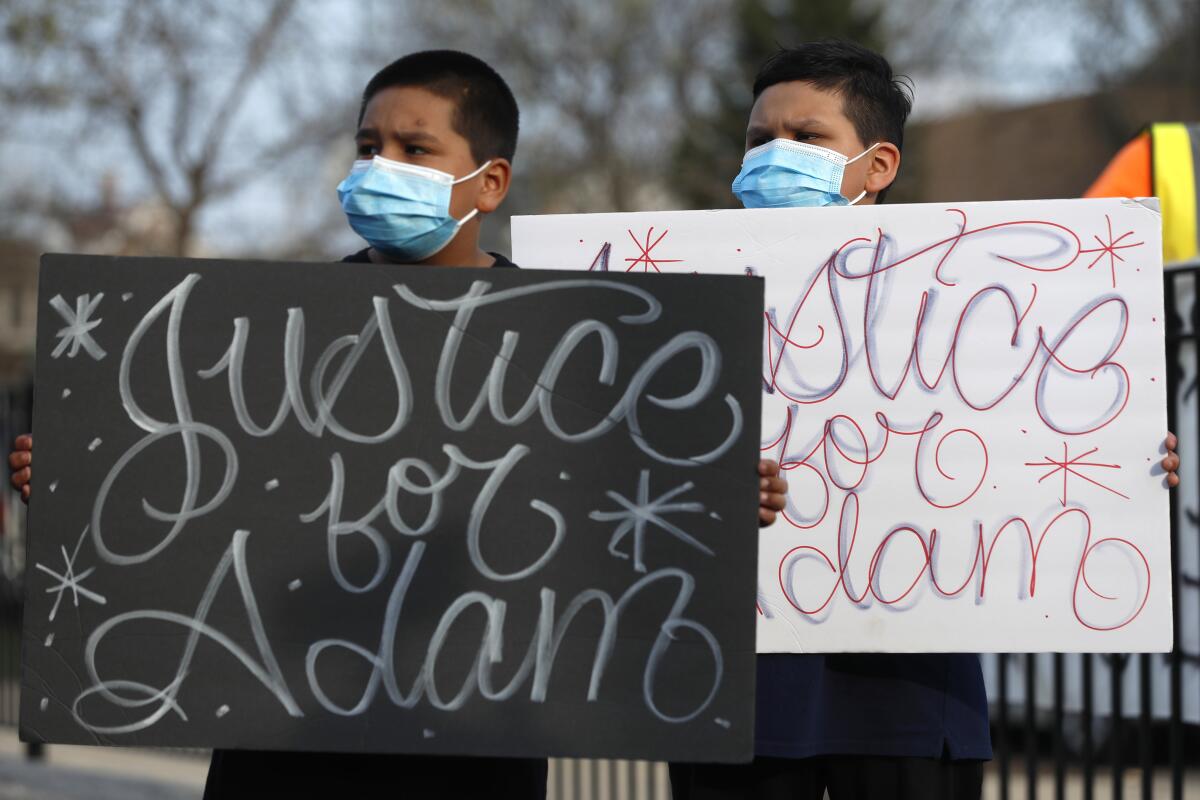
(1110, 249)
(647, 261)
(1071, 466)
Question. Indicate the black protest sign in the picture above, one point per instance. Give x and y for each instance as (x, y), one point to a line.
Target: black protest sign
(393, 509)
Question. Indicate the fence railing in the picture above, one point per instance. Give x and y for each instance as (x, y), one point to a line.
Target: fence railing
(1062, 725)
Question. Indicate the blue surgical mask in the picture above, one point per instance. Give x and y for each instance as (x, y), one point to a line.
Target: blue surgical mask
(786, 174)
(402, 210)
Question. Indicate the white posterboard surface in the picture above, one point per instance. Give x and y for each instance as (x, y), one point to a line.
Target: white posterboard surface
(968, 402)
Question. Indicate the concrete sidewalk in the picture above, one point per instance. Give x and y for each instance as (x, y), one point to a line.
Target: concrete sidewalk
(98, 773)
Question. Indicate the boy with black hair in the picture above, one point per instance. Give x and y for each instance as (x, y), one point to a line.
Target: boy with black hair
(436, 136)
(437, 131)
(827, 128)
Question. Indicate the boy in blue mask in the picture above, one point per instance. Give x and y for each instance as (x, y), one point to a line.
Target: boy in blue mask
(827, 128)
(437, 131)
(436, 136)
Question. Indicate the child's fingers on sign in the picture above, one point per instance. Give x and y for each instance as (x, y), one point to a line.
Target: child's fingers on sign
(20, 461)
(20, 477)
(1170, 462)
(773, 486)
(772, 495)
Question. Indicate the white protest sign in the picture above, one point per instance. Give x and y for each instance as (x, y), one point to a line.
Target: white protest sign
(968, 402)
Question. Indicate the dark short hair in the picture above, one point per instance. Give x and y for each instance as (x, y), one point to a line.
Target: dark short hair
(875, 100)
(486, 112)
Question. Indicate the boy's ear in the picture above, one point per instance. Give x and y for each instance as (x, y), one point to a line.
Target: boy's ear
(882, 168)
(496, 179)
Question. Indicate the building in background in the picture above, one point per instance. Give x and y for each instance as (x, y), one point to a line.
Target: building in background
(1049, 150)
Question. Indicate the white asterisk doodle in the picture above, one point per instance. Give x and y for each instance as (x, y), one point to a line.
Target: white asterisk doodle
(636, 516)
(77, 332)
(70, 580)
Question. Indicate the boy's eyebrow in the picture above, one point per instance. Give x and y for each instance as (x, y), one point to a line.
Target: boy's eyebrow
(801, 125)
(414, 136)
(805, 125)
(759, 132)
(793, 126)
(407, 137)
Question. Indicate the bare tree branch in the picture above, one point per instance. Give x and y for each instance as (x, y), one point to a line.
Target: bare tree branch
(118, 97)
(154, 68)
(256, 53)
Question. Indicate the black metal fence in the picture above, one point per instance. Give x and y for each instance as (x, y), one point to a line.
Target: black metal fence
(1117, 725)
(1080, 726)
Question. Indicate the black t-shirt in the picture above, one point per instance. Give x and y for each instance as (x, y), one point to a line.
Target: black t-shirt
(257, 774)
(362, 257)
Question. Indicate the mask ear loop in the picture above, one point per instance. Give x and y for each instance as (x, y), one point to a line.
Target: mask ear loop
(482, 167)
(863, 193)
(863, 153)
(474, 211)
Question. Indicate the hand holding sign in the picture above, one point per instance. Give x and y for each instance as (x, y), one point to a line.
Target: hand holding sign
(20, 461)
